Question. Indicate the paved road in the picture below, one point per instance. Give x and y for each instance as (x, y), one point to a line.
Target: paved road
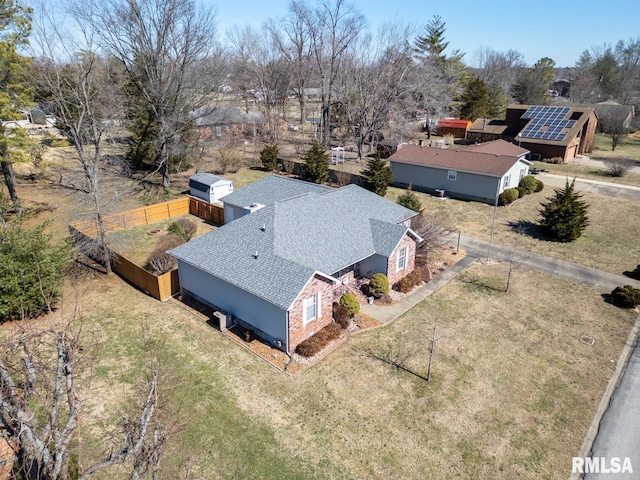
(619, 434)
(629, 192)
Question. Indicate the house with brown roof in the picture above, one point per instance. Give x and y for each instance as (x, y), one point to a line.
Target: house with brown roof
(475, 172)
(546, 131)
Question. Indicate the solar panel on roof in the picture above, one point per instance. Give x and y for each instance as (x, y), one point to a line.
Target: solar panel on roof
(546, 116)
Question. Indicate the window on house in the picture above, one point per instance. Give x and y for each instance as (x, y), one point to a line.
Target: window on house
(452, 175)
(310, 308)
(523, 171)
(402, 259)
(506, 181)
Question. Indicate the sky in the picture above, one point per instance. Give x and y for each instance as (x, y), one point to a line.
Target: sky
(560, 29)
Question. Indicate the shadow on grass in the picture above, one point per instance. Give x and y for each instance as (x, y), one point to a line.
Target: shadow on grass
(526, 227)
(491, 284)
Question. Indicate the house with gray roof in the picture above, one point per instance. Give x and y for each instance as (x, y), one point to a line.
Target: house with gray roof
(278, 269)
(267, 191)
(476, 172)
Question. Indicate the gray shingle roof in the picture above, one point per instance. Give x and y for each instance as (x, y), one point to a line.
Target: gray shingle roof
(271, 189)
(296, 237)
(207, 179)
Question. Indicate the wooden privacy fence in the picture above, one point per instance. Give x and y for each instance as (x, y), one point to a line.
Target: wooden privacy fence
(161, 287)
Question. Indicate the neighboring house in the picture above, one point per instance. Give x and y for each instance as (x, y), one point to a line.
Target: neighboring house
(547, 131)
(453, 126)
(278, 270)
(267, 191)
(476, 172)
(209, 187)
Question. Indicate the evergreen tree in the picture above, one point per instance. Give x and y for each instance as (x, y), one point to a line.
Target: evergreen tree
(432, 44)
(564, 216)
(269, 157)
(15, 93)
(316, 165)
(475, 100)
(377, 176)
(31, 273)
(410, 200)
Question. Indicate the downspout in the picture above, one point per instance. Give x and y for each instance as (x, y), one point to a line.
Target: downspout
(288, 335)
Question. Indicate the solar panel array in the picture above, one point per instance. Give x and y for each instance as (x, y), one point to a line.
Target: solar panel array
(546, 123)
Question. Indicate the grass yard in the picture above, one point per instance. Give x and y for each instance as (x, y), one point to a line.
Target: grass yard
(629, 148)
(610, 243)
(593, 173)
(136, 244)
(512, 395)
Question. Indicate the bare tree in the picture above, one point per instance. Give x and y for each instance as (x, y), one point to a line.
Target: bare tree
(434, 229)
(333, 26)
(166, 48)
(43, 385)
(375, 87)
(292, 38)
(265, 76)
(615, 122)
(82, 88)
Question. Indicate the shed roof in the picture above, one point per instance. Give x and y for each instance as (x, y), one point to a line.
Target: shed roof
(273, 252)
(208, 179)
(454, 123)
(493, 165)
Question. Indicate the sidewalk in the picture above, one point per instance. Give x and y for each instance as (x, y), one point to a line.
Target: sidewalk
(389, 313)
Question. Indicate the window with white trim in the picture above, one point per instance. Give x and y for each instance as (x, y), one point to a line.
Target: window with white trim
(506, 181)
(452, 174)
(401, 261)
(311, 308)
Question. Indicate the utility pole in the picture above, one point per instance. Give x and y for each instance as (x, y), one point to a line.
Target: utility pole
(432, 348)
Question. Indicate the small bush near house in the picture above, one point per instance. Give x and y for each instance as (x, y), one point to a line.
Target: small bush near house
(529, 183)
(160, 261)
(379, 285)
(626, 297)
(539, 185)
(314, 344)
(521, 192)
(554, 160)
(183, 227)
(341, 315)
(350, 302)
(510, 195)
(385, 300)
(408, 282)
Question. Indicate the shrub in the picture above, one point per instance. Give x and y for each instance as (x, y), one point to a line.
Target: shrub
(269, 157)
(377, 176)
(635, 273)
(379, 285)
(626, 297)
(341, 315)
(510, 195)
(539, 185)
(350, 302)
(564, 216)
(32, 271)
(521, 192)
(184, 227)
(409, 282)
(248, 335)
(410, 200)
(385, 300)
(160, 261)
(529, 183)
(314, 344)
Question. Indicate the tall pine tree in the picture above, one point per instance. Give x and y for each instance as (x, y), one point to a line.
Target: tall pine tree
(377, 176)
(564, 216)
(316, 165)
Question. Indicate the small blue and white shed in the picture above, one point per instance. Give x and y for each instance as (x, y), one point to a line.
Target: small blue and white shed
(209, 187)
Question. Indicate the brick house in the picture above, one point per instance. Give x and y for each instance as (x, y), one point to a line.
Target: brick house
(278, 269)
